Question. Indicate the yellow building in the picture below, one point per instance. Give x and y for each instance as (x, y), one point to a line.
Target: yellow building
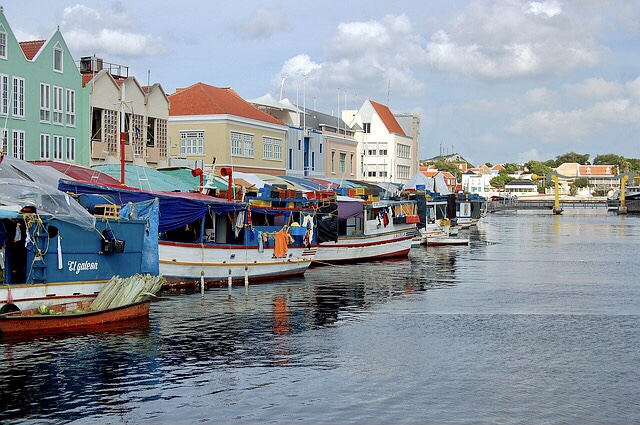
(207, 122)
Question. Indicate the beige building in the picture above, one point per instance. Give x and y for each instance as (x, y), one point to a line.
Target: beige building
(117, 101)
(207, 122)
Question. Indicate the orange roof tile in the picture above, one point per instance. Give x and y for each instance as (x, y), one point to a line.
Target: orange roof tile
(86, 78)
(387, 118)
(596, 170)
(203, 99)
(31, 48)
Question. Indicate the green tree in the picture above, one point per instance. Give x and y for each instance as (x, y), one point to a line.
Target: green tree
(582, 159)
(488, 164)
(511, 167)
(581, 182)
(537, 167)
(501, 180)
(609, 159)
(444, 165)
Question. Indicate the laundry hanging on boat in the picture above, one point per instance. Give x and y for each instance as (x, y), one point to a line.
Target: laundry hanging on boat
(239, 223)
(281, 238)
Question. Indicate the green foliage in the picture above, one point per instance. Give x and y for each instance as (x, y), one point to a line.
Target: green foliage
(444, 165)
(488, 164)
(501, 180)
(537, 167)
(573, 190)
(582, 159)
(511, 167)
(581, 182)
(609, 159)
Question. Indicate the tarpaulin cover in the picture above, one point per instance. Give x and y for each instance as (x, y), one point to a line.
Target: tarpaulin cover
(422, 210)
(145, 178)
(349, 208)
(77, 172)
(148, 210)
(176, 208)
(327, 222)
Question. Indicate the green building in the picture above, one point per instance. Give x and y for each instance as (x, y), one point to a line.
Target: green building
(43, 107)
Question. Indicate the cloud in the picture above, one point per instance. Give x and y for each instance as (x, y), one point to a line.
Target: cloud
(262, 23)
(504, 40)
(110, 33)
(595, 89)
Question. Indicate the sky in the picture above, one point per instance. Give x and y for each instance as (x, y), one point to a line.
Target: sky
(495, 81)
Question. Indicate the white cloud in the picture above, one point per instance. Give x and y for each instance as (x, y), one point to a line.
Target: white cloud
(503, 40)
(111, 33)
(595, 89)
(262, 23)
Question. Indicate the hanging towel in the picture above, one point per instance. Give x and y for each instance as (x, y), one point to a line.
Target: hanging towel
(59, 253)
(239, 223)
(280, 249)
(28, 242)
(260, 242)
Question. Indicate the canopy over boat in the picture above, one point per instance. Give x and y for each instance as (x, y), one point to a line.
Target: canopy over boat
(145, 178)
(78, 172)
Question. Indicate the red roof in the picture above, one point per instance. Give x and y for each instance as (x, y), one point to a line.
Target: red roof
(86, 78)
(31, 48)
(203, 99)
(80, 173)
(388, 118)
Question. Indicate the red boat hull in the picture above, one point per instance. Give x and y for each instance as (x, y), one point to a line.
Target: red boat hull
(29, 321)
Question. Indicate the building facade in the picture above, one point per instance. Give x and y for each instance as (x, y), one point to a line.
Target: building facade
(385, 152)
(119, 104)
(42, 103)
(207, 123)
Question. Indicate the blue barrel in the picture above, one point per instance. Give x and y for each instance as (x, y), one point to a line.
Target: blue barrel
(89, 201)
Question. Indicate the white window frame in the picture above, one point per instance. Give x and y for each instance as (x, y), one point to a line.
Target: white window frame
(343, 162)
(70, 108)
(45, 102)
(18, 144)
(3, 43)
(241, 144)
(4, 94)
(58, 148)
(192, 142)
(267, 148)
(18, 97)
(58, 115)
(248, 145)
(236, 144)
(58, 50)
(45, 146)
(71, 149)
(277, 149)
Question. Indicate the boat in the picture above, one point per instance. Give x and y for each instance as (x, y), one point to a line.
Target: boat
(212, 241)
(632, 193)
(32, 321)
(355, 230)
(440, 228)
(55, 251)
(121, 299)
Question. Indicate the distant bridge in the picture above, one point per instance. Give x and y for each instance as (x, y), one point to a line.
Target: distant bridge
(518, 204)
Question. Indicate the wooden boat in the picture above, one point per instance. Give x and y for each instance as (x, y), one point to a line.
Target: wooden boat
(369, 231)
(67, 319)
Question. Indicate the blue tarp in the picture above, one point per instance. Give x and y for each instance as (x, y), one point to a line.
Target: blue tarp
(148, 210)
(176, 209)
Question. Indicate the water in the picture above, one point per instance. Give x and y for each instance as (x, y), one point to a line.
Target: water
(535, 323)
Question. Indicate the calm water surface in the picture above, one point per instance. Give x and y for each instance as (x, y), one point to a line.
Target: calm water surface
(537, 322)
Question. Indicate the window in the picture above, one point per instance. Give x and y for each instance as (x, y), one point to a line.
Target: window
(192, 143)
(333, 161)
(71, 108)
(57, 105)
(272, 148)
(382, 152)
(404, 151)
(18, 144)
(372, 152)
(4, 94)
(248, 145)
(45, 102)
(351, 165)
(71, 149)
(241, 144)
(18, 97)
(57, 59)
(45, 142)
(57, 147)
(313, 161)
(403, 171)
(3, 43)
(290, 158)
(343, 159)
(299, 144)
(371, 173)
(366, 127)
(277, 149)
(320, 147)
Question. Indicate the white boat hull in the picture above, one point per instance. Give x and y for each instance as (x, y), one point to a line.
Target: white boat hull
(184, 264)
(368, 247)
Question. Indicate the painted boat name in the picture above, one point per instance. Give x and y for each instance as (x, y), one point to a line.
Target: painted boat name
(77, 267)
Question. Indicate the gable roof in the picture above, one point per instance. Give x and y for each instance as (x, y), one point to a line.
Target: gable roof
(203, 99)
(31, 48)
(387, 118)
(597, 170)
